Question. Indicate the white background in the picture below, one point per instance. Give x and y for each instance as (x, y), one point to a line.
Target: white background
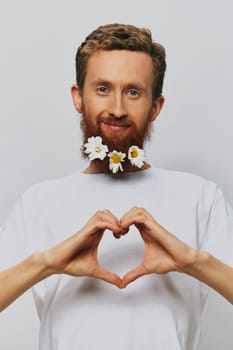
(39, 129)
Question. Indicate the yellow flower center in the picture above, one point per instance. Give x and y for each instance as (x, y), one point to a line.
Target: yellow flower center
(98, 149)
(116, 159)
(134, 153)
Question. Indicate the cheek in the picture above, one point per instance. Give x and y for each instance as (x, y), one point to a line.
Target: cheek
(140, 114)
(93, 107)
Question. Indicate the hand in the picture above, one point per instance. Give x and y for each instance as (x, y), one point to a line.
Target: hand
(163, 251)
(77, 256)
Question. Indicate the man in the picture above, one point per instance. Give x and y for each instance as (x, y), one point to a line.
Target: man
(176, 226)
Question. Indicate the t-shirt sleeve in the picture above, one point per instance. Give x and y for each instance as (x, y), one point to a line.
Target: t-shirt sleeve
(12, 238)
(218, 232)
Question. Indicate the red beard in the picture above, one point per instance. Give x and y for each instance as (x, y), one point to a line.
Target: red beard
(120, 142)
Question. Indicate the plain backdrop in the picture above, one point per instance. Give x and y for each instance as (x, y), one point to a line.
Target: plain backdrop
(39, 129)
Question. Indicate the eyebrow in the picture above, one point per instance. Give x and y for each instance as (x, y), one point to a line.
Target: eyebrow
(135, 85)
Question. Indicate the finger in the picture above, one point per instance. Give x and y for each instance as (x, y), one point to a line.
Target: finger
(102, 225)
(108, 276)
(107, 217)
(121, 233)
(124, 230)
(89, 236)
(132, 275)
(127, 219)
(117, 236)
(142, 219)
(107, 214)
(110, 214)
(135, 215)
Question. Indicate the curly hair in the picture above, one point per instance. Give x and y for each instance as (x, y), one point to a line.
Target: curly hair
(122, 37)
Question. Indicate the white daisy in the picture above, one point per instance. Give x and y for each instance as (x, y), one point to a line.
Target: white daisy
(136, 156)
(115, 161)
(95, 149)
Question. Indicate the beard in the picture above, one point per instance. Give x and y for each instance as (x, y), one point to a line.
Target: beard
(118, 141)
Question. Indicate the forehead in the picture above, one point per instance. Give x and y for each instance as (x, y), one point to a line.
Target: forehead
(120, 65)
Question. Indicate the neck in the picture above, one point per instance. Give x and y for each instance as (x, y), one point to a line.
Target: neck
(97, 166)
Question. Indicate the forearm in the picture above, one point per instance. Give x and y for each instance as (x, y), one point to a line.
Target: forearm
(19, 278)
(214, 273)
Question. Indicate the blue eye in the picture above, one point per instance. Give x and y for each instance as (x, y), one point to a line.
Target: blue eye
(102, 89)
(133, 92)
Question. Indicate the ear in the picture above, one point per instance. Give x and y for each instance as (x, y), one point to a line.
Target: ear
(77, 98)
(156, 108)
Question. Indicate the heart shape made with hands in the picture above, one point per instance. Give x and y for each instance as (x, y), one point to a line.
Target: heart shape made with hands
(121, 254)
(162, 252)
(160, 255)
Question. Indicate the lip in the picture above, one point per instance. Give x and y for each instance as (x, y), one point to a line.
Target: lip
(116, 127)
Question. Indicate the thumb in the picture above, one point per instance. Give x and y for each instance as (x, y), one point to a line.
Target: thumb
(132, 275)
(108, 276)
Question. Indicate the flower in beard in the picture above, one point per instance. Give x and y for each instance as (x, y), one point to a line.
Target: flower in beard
(95, 149)
(136, 156)
(116, 158)
(120, 141)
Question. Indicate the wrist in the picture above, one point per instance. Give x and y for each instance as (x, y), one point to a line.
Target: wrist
(199, 261)
(39, 263)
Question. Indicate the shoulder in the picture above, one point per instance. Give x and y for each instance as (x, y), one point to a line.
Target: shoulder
(186, 182)
(51, 188)
(180, 176)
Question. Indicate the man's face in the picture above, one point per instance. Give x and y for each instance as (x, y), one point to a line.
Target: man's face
(116, 100)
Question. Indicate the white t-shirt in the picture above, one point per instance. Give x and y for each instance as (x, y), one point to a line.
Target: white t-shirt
(154, 312)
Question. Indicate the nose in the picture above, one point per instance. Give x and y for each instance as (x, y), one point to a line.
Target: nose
(117, 106)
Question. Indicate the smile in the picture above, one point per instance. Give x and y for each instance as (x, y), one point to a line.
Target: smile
(116, 127)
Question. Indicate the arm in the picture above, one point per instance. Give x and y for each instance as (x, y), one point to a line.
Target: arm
(164, 253)
(19, 278)
(214, 273)
(76, 256)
